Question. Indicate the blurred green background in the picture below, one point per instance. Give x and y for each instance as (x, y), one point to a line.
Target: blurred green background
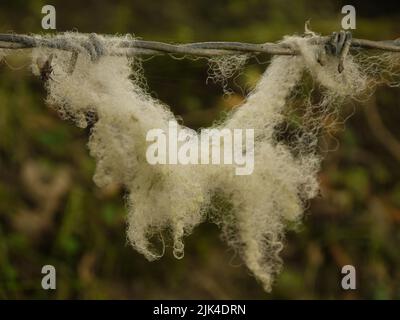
(52, 213)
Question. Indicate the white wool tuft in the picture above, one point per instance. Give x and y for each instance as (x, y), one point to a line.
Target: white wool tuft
(252, 211)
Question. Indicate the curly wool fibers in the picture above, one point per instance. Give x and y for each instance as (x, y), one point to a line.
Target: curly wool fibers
(254, 210)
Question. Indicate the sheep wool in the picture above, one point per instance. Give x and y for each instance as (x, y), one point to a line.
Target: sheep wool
(253, 211)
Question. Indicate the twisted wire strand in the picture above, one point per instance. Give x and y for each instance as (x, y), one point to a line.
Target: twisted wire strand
(207, 49)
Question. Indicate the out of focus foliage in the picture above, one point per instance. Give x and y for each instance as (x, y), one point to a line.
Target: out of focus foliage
(52, 213)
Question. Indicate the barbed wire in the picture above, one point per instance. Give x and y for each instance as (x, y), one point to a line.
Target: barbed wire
(133, 47)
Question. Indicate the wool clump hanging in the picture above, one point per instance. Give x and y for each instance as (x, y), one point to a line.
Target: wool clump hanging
(253, 211)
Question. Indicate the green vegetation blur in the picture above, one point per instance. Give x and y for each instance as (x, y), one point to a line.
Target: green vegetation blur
(52, 213)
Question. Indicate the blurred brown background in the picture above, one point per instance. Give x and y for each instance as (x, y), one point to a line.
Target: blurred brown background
(52, 213)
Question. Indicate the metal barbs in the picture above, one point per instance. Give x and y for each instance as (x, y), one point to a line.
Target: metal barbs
(94, 46)
(344, 51)
(339, 46)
